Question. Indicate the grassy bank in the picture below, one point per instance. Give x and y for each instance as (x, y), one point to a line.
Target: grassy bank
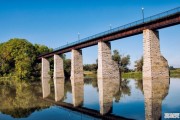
(173, 73)
(90, 74)
(93, 74)
(137, 75)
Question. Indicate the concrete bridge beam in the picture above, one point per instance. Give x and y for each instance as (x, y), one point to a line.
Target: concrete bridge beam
(45, 78)
(58, 77)
(154, 64)
(77, 77)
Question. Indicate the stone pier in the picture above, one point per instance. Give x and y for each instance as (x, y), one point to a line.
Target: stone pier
(58, 77)
(108, 77)
(77, 78)
(154, 64)
(45, 77)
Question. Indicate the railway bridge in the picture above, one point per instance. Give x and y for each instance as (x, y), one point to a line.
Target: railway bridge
(154, 64)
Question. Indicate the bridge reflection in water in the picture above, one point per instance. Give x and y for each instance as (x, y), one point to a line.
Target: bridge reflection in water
(154, 90)
(107, 90)
(59, 91)
(24, 101)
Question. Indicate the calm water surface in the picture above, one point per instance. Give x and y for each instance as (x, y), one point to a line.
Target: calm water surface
(127, 98)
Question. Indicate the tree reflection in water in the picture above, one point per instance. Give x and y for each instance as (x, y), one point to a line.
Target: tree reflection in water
(20, 99)
(139, 84)
(124, 89)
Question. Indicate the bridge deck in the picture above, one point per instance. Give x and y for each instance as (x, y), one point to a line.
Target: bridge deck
(162, 20)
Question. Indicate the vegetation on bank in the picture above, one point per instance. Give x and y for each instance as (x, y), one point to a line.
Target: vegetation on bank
(18, 59)
(137, 75)
(175, 72)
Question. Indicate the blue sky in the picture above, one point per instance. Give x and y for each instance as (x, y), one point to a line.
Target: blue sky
(56, 22)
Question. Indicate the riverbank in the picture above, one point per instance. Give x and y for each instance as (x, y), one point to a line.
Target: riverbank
(173, 73)
(93, 74)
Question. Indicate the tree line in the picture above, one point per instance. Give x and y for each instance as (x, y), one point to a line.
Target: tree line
(18, 57)
(122, 60)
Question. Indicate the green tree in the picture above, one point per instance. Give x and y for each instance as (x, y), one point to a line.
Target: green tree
(139, 64)
(19, 58)
(171, 68)
(39, 49)
(67, 67)
(90, 67)
(123, 61)
(116, 56)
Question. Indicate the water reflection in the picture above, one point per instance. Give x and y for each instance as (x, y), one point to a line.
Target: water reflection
(107, 89)
(123, 89)
(155, 90)
(139, 84)
(21, 99)
(59, 88)
(77, 91)
(46, 86)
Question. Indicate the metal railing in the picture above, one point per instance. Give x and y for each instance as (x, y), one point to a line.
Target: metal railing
(124, 27)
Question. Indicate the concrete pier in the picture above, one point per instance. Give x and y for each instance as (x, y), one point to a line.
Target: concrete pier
(108, 77)
(45, 78)
(154, 64)
(58, 77)
(77, 78)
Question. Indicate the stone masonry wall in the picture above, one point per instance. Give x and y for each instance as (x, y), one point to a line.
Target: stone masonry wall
(154, 64)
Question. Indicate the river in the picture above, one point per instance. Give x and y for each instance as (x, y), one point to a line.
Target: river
(127, 98)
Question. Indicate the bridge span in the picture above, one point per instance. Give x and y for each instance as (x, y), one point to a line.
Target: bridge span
(158, 21)
(155, 66)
